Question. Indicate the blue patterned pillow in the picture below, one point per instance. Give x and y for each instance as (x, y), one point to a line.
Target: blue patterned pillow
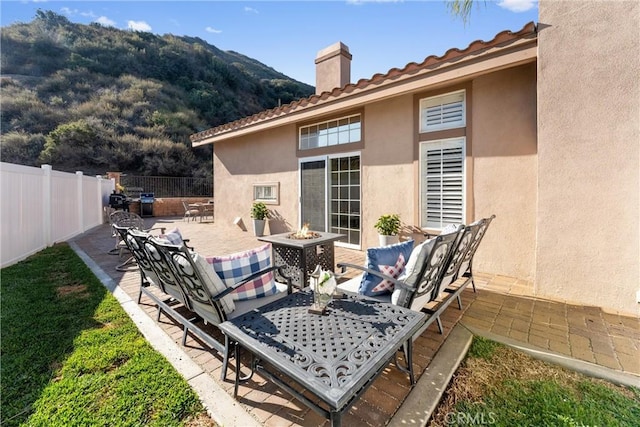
(389, 260)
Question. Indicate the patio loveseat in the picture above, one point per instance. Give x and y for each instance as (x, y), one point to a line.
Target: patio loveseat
(436, 272)
(184, 285)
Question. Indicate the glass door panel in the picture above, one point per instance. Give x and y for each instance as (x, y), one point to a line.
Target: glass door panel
(344, 197)
(313, 176)
(330, 196)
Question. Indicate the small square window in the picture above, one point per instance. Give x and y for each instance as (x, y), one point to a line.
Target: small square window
(267, 192)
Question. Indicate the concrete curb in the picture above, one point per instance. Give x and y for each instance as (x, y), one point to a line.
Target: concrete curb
(426, 394)
(222, 408)
(586, 368)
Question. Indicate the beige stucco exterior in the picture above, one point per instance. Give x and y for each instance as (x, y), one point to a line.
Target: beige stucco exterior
(501, 149)
(255, 159)
(552, 149)
(504, 156)
(588, 153)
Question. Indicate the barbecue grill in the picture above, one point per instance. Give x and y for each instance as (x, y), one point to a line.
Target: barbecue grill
(119, 201)
(146, 204)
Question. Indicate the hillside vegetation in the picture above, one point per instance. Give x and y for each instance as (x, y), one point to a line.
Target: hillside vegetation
(95, 98)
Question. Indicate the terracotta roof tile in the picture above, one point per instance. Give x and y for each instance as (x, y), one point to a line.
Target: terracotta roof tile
(377, 79)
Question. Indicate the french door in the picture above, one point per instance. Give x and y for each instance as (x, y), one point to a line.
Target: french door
(330, 195)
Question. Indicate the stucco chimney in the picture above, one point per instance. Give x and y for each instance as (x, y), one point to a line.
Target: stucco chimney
(333, 67)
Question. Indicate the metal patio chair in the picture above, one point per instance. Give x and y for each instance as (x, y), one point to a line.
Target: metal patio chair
(190, 212)
(441, 284)
(425, 269)
(205, 293)
(126, 220)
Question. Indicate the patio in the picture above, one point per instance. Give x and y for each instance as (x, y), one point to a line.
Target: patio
(502, 308)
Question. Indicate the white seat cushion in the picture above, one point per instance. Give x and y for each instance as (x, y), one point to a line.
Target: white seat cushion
(246, 306)
(412, 271)
(351, 286)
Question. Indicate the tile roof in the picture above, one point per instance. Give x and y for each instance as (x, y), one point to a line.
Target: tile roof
(376, 80)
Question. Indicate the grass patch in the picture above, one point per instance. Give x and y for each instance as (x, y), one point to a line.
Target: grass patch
(71, 355)
(499, 386)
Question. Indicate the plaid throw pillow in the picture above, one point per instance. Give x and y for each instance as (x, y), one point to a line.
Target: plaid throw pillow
(236, 267)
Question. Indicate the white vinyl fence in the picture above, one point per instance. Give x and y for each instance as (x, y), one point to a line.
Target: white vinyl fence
(40, 206)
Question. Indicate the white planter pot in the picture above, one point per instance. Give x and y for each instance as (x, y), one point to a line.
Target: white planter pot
(258, 227)
(388, 240)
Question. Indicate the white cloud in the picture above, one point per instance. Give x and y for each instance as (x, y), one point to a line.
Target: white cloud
(68, 11)
(517, 5)
(250, 10)
(212, 30)
(139, 26)
(71, 12)
(103, 20)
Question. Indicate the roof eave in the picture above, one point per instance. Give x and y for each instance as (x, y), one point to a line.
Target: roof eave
(432, 72)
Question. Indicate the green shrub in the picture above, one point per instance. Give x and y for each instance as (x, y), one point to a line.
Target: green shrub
(259, 211)
(388, 224)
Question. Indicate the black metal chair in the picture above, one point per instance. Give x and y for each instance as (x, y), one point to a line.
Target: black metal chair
(126, 220)
(437, 263)
(194, 282)
(426, 267)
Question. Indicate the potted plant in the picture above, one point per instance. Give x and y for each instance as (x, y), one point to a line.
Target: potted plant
(388, 226)
(259, 213)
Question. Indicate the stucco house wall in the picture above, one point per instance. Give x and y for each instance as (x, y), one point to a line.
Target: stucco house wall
(253, 159)
(588, 150)
(505, 170)
(387, 164)
(553, 150)
(501, 168)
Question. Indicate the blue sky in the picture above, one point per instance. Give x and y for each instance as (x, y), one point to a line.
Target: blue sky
(287, 35)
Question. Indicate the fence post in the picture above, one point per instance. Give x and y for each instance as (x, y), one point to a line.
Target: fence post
(99, 195)
(46, 204)
(80, 199)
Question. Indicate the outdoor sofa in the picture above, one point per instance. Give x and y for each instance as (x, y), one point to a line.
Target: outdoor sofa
(185, 286)
(436, 272)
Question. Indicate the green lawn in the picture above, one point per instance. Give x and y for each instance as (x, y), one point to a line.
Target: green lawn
(499, 386)
(71, 356)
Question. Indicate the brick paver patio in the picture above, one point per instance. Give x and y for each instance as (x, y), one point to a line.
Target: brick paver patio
(503, 306)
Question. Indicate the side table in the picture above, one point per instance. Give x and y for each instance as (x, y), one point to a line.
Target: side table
(300, 256)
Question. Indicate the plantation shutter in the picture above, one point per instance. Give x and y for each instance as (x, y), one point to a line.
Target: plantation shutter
(442, 182)
(442, 112)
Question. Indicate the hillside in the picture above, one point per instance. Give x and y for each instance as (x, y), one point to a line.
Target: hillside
(94, 98)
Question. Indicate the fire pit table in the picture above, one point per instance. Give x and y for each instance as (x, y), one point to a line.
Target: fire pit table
(300, 254)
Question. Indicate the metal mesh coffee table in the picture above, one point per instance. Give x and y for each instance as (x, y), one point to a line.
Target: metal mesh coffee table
(300, 256)
(335, 356)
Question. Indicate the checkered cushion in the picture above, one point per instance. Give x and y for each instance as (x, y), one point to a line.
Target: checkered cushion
(211, 280)
(391, 271)
(236, 267)
(386, 256)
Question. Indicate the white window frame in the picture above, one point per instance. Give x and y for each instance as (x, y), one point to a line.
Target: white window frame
(328, 136)
(260, 190)
(424, 146)
(451, 98)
